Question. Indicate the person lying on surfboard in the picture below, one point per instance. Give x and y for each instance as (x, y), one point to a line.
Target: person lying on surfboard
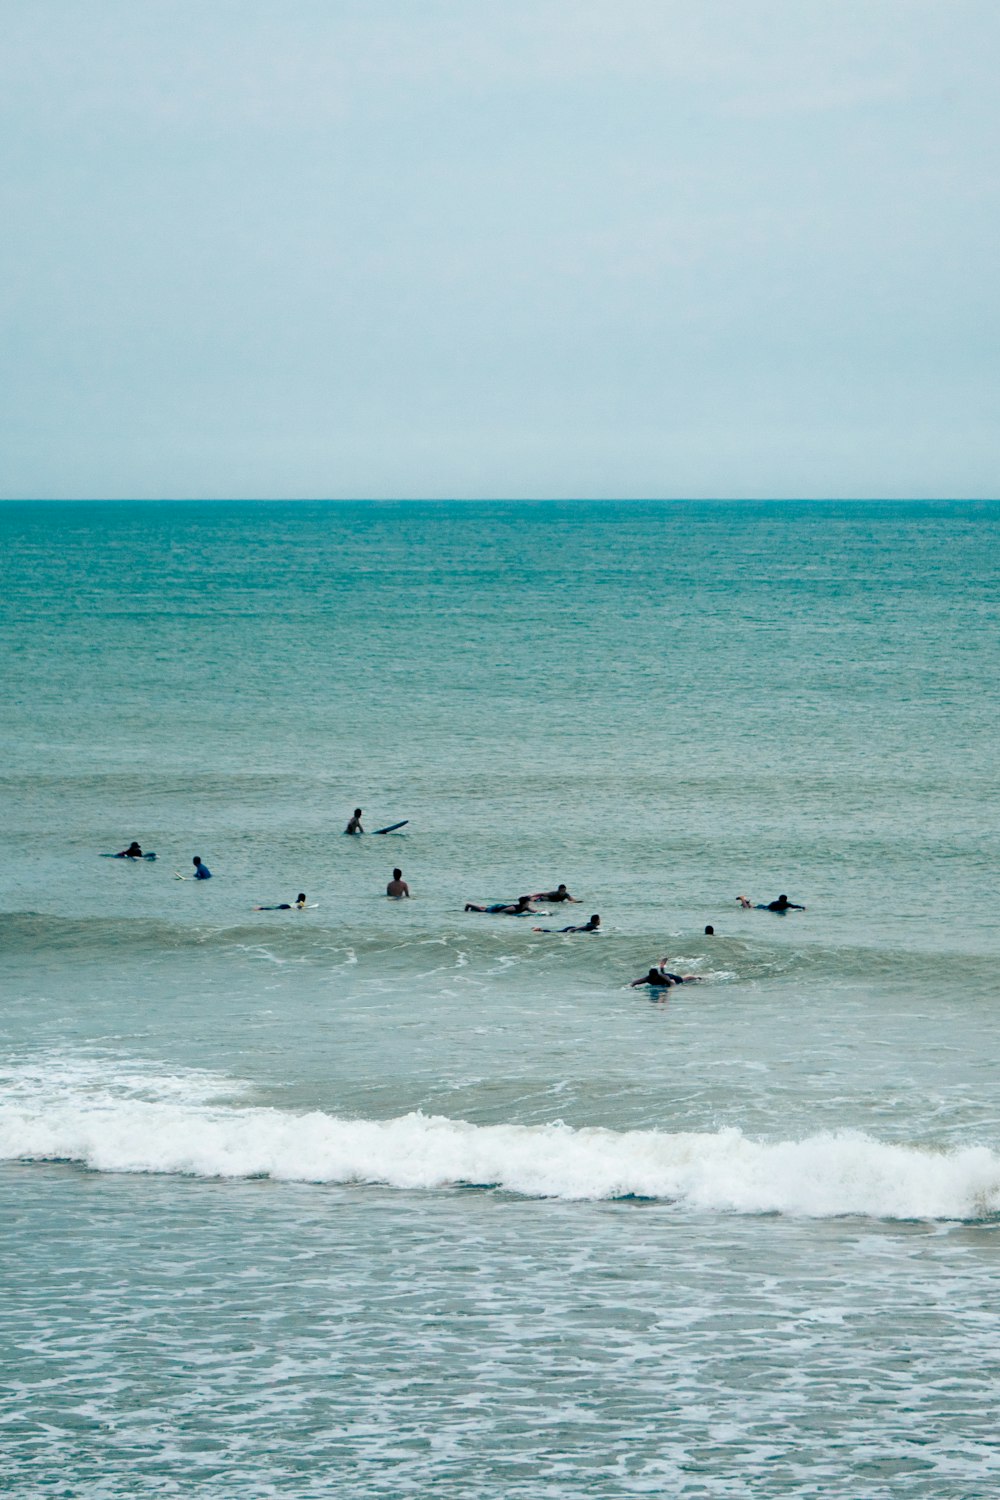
(297, 904)
(132, 852)
(781, 904)
(592, 926)
(661, 978)
(559, 894)
(521, 908)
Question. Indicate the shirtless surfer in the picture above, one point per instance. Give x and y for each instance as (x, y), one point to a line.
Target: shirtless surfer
(354, 826)
(397, 887)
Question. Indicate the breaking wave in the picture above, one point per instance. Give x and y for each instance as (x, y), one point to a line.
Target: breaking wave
(143, 1122)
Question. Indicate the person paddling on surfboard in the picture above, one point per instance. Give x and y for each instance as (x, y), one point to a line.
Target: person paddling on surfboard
(354, 826)
(397, 887)
(522, 907)
(594, 925)
(132, 852)
(661, 978)
(781, 904)
(295, 905)
(559, 894)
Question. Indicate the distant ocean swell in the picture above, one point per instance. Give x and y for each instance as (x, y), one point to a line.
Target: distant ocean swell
(824, 1175)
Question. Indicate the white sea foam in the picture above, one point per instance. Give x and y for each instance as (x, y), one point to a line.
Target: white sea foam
(818, 1176)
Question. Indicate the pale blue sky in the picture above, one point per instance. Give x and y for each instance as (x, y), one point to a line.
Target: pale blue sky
(499, 248)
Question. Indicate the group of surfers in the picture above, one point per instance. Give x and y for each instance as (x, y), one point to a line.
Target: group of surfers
(659, 977)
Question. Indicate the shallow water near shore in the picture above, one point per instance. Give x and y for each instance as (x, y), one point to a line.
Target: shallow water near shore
(388, 1197)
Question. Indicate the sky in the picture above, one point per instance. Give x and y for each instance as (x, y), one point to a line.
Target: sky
(499, 248)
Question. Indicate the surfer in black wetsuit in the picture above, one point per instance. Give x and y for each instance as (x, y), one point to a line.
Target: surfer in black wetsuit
(559, 894)
(297, 904)
(781, 904)
(133, 851)
(521, 908)
(594, 925)
(660, 978)
(354, 826)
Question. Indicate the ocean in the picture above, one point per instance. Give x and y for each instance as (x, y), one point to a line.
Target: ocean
(390, 1198)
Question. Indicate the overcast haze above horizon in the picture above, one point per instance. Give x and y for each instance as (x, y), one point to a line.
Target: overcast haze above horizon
(538, 248)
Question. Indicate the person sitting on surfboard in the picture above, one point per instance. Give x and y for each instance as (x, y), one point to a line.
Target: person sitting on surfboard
(397, 887)
(521, 908)
(592, 926)
(781, 904)
(661, 978)
(201, 871)
(560, 894)
(132, 852)
(354, 826)
(298, 903)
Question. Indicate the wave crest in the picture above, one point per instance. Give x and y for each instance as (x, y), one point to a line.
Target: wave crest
(823, 1175)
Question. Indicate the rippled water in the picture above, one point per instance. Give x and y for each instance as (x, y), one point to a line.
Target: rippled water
(391, 1198)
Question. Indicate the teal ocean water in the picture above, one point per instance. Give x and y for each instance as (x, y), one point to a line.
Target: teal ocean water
(388, 1198)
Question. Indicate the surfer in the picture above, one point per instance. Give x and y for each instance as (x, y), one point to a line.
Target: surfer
(710, 931)
(201, 871)
(133, 851)
(781, 904)
(297, 904)
(354, 826)
(521, 908)
(397, 887)
(559, 894)
(661, 978)
(592, 926)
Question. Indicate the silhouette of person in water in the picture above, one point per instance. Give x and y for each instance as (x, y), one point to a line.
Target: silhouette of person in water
(297, 904)
(522, 907)
(661, 978)
(594, 925)
(354, 826)
(559, 894)
(781, 904)
(397, 887)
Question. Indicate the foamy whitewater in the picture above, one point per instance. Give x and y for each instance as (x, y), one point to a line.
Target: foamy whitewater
(387, 1198)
